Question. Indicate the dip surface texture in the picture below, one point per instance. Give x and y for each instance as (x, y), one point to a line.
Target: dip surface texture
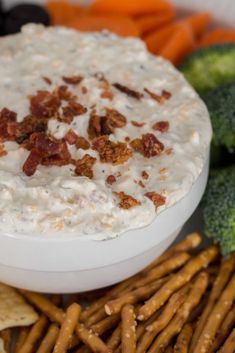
(113, 135)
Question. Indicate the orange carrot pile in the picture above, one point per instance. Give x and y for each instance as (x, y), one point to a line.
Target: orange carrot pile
(154, 21)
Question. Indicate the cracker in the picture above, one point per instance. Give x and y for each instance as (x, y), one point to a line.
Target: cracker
(14, 311)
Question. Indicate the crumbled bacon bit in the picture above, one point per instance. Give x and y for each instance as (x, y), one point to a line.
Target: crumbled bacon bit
(148, 145)
(45, 150)
(73, 80)
(111, 152)
(126, 201)
(44, 104)
(129, 92)
(84, 166)
(63, 93)
(7, 117)
(47, 80)
(84, 90)
(156, 198)
(165, 95)
(137, 124)
(110, 179)
(94, 125)
(115, 119)
(140, 183)
(145, 175)
(100, 76)
(127, 139)
(162, 126)
(3, 152)
(71, 137)
(71, 110)
(31, 163)
(82, 143)
(105, 125)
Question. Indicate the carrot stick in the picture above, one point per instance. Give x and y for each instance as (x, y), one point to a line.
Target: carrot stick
(121, 25)
(62, 11)
(180, 44)
(199, 23)
(156, 40)
(218, 36)
(130, 7)
(151, 22)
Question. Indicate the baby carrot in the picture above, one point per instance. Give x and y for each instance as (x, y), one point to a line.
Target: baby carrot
(151, 22)
(180, 44)
(218, 36)
(130, 7)
(121, 25)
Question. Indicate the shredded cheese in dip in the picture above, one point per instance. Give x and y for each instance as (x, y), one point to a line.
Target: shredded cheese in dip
(117, 194)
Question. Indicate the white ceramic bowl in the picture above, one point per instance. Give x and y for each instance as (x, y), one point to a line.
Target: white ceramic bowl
(76, 265)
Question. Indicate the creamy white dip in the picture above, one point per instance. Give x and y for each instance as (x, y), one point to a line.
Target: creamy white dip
(54, 200)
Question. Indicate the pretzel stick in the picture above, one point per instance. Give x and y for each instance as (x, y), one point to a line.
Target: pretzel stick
(216, 317)
(221, 280)
(191, 241)
(115, 338)
(141, 327)
(163, 269)
(183, 340)
(229, 344)
(49, 340)
(196, 291)
(177, 281)
(45, 305)
(226, 327)
(35, 333)
(115, 306)
(97, 304)
(108, 323)
(96, 317)
(67, 328)
(175, 301)
(128, 329)
(21, 336)
(91, 340)
(58, 315)
(6, 336)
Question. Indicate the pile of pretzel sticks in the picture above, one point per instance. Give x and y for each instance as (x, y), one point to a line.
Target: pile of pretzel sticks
(183, 302)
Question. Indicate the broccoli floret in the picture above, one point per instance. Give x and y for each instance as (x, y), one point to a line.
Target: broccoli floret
(207, 68)
(221, 105)
(219, 208)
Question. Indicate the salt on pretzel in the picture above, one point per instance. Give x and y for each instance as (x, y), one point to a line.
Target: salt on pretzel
(67, 328)
(194, 296)
(128, 333)
(177, 281)
(215, 319)
(49, 339)
(183, 340)
(34, 335)
(171, 307)
(220, 282)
